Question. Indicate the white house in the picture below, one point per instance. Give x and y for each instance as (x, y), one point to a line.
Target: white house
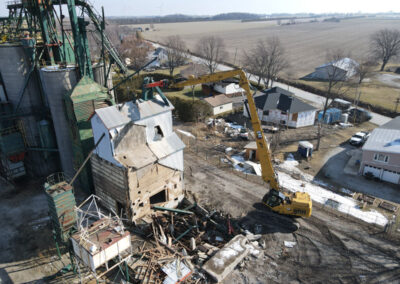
(141, 152)
(219, 104)
(278, 106)
(161, 55)
(381, 152)
(339, 70)
(229, 89)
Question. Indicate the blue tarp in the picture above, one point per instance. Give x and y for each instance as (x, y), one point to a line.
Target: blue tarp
(332, 115)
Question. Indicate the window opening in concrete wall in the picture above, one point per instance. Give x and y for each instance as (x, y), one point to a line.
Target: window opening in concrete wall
(159, 197)
(158, 134)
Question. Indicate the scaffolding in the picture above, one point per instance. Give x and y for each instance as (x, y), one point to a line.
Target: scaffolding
(101, 244)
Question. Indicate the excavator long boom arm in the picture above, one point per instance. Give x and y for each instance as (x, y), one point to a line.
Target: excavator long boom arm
(268, 173)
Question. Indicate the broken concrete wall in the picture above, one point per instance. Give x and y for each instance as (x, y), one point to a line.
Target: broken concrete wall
(154, 184)
(110, 182)
(226, 259)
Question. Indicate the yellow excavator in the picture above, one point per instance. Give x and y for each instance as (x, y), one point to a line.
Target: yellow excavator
(295, 204)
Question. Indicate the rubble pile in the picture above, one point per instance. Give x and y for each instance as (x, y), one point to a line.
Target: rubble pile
(185, 243)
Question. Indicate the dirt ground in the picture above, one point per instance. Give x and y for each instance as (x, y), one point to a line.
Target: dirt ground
(329, 249)
(27, 250)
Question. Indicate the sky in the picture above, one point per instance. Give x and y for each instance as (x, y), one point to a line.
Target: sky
(212, 7)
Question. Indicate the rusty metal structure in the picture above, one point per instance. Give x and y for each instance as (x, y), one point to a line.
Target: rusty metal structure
(44, 56)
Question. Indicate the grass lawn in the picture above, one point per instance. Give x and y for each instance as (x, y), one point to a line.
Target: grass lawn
(372, 92)
(187, 94)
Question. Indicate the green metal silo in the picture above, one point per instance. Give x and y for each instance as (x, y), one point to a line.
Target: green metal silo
(81, 102)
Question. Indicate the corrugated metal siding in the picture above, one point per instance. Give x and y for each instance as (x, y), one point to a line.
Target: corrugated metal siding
(167, 146)
(110, 182)
(112, 117)
(62, 211)
(174, 161)
(163, 120)
(56, 83)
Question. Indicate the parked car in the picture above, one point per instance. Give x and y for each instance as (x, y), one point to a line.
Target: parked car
(359, 138)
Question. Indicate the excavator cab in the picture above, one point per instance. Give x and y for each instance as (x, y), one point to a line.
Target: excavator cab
(295, 204)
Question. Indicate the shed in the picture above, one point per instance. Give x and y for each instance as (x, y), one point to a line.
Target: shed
(251, 151)
(219, 104)
(305, 149)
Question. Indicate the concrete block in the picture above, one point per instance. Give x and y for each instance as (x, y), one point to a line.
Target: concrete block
(225, 260)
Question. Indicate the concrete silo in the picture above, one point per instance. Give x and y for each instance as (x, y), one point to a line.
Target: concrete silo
(21, 87)
(58, 81)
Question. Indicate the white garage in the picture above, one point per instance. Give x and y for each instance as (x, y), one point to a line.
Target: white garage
(374, 170)
(390, 176)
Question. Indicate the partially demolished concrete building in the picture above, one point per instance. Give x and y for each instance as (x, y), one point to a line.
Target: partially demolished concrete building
(139, 161)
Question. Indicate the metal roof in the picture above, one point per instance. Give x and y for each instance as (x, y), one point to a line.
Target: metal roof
(167, 146)
(112, 117)
(346, 64)
(87, 89)
(115, 116)
(386, 138)
(143, 109)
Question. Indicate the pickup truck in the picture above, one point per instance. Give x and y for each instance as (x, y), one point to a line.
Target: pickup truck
(359, 138)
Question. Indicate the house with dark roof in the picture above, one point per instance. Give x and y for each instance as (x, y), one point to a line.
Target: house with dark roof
(381, 153)
(281, 107)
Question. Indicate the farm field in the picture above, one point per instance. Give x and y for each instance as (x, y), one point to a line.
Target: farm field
(306, 44)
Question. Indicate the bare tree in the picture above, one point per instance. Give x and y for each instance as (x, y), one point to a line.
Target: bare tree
(335, 79)
(266, 60)
(136, 50)
(277, 59)
(362, 70)
(256, 61)
(176, 52)
(212, 50)
(385, 44)
(194, 70)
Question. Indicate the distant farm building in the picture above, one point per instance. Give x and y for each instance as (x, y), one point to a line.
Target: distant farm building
(280, 107)
(229, 89)
(339, 70)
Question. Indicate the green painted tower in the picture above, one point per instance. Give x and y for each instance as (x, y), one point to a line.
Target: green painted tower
(80, 103)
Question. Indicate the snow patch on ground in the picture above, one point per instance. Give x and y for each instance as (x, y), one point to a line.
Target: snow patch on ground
(318, 194)
(186, 133)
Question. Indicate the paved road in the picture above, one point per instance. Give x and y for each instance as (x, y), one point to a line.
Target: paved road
(313, 99)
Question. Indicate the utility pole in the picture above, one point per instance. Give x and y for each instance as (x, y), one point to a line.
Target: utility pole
(397, 102)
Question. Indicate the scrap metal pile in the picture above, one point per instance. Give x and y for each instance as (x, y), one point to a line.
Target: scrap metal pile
(182, 244)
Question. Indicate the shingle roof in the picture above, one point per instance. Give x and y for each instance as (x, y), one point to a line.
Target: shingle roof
(385, 138)
(278, 98)
(218, 100)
